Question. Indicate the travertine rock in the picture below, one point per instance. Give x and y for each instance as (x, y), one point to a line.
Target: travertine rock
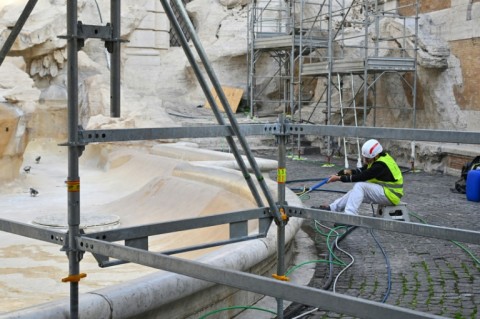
(156, 77)
(18, 98)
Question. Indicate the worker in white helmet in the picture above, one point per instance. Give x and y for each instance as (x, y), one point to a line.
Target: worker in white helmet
(378, 181)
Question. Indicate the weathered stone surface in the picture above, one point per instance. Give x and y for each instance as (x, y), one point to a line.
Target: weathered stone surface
(12, 142)
(234, 3)
(18, 100)
(157, 78)
(44, 25)
(432, 51)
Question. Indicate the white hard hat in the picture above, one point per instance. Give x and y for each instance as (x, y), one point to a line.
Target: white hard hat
(371, 148)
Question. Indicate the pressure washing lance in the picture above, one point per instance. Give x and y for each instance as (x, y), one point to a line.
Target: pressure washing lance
(305, 190)
(318, 185)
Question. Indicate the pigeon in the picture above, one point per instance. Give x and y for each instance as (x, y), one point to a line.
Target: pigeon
(37, 159)
(27, 169)
(33, 192)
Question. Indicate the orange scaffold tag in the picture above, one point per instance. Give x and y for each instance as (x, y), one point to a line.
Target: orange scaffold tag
(73, 186)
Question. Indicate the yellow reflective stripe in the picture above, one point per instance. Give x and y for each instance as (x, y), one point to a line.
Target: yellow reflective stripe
(281, 175)
(399, 195)
(389, 185)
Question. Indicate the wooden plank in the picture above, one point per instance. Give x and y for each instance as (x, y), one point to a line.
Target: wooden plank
(234, 95)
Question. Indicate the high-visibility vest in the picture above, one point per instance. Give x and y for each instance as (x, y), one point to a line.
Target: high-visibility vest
(393, 190)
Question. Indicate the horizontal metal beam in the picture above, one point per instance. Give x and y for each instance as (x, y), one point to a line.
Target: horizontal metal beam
(183, 224)
(140, 134)
(212, 244)
(35, 232)
(443, 136)
(326, 300)
(461, 235)
(104, 261)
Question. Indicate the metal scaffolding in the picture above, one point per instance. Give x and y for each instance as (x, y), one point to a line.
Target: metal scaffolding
(287, 33)
(330, 55)
(352, 80)
(101, 244)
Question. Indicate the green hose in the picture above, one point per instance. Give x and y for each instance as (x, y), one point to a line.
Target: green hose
(465, 249)
(236, 307)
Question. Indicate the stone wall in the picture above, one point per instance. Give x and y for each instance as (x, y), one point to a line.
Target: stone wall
(151, 36)
(407, 7)
(457, 23)
(468, 94)
(459, 26)
(10, 127)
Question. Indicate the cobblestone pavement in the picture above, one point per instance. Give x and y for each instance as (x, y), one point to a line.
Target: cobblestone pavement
(427, 274)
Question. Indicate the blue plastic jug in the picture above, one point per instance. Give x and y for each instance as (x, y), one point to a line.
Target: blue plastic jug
(473, 185)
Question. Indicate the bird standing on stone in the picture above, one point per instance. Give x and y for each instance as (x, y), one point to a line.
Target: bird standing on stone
(33, 192)
(37, 159)
(27, 169)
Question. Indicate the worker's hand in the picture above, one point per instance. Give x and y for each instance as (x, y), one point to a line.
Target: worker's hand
(345, 172)
(333, 178)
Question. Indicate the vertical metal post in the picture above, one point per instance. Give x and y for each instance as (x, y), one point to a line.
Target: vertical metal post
(329, 77)
(342, 28)
(73, 179)
(300, 67)
(415, 52)
(290, 97)
(251, 57)
(281, 179)
(365, 71)
(115, 9)
(376, 52)
(330, 61)
(414, 90)
(377, 29)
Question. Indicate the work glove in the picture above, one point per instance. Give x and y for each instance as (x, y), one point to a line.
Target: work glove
(344, 172)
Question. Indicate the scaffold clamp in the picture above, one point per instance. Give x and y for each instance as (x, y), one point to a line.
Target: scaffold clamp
(284, 216)
(281, 277)
(74, 278)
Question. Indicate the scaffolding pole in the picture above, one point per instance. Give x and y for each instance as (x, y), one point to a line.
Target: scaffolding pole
(74, 152)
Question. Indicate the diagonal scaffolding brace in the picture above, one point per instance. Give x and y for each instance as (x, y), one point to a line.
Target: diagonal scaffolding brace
(223, 99)
(16, 29)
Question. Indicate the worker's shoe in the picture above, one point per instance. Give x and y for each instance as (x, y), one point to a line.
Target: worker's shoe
(322, 207)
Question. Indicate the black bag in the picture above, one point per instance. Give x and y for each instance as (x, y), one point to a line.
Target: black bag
(461, 184)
